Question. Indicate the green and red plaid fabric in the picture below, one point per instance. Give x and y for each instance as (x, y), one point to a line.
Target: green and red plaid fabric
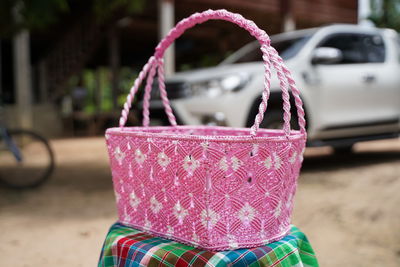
(125, 246)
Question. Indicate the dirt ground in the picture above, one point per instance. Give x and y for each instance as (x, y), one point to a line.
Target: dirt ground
(347, 205)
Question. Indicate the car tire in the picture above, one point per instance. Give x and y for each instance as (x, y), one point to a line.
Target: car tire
(274, 120)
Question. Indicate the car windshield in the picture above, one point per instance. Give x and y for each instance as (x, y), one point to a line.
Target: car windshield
(287, 48)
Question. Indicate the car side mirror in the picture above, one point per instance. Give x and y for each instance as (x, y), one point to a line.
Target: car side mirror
(326, 56)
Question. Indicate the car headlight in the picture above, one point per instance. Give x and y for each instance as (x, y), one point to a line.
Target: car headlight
(218, 86)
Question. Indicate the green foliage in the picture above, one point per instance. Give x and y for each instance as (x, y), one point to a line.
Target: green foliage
(126, 79)
(38, 14)
(386, 13)
(35, 14)
(104, 8)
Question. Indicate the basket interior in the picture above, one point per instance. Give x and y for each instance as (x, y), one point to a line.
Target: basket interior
(204, 131)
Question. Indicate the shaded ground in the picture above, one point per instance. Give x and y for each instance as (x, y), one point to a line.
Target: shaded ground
(347, 205)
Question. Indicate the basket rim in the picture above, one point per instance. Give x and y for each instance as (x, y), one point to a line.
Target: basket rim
(219, 247)
(141, 131)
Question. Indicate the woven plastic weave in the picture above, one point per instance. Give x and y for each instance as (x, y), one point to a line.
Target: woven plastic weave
(213, 187)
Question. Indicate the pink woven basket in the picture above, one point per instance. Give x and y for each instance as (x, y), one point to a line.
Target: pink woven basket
(213, 187)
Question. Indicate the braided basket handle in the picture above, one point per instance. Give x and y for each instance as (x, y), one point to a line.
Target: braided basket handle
(269, 55)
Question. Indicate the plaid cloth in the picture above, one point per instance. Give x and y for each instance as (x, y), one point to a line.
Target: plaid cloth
(125, 246)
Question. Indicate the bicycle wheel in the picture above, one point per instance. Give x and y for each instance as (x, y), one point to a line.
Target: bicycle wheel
(26, 159)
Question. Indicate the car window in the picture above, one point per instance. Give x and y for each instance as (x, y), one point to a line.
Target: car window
(287, 49)
(357, 48)
(374, 48)
(252, 55)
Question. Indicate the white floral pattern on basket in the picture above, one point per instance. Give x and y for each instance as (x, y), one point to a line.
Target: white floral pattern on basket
(212, 187)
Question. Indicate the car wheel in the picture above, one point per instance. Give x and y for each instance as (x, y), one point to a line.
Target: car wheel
(274, 120)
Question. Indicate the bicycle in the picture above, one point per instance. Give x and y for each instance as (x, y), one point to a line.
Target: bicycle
(26, 158)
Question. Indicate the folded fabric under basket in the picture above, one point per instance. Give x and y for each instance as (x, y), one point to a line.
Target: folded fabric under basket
(125, 246)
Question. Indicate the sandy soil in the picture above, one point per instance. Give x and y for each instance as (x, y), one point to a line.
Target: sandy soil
(347, 205)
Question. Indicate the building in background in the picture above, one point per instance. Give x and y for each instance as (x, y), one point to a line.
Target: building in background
(79, 40)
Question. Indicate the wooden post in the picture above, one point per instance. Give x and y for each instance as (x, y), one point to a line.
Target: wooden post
(288, 21)
(167, 22)
(114, 61)
(22, 78)
(43, 84)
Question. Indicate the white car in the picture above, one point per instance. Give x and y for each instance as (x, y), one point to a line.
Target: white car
(348, 75)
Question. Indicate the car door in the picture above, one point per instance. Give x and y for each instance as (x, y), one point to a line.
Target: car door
(351, 93)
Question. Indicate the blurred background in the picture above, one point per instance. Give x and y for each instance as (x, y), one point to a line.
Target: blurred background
(66, 67)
